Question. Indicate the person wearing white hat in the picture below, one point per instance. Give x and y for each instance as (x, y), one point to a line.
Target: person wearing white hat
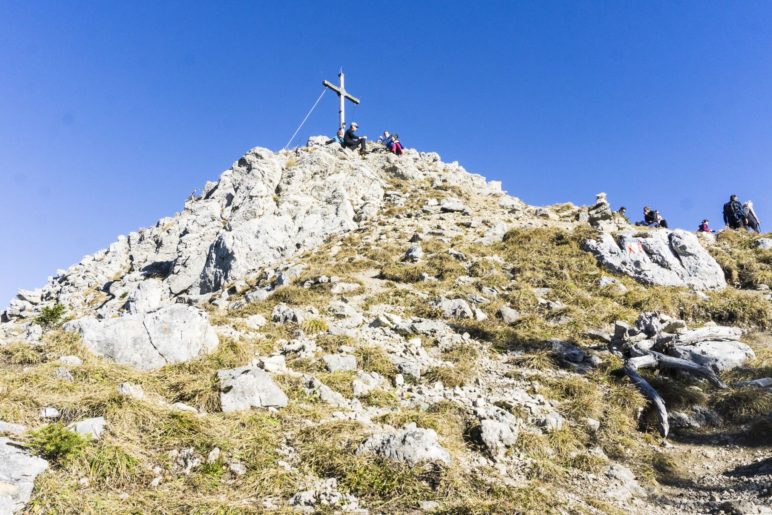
(351, 140)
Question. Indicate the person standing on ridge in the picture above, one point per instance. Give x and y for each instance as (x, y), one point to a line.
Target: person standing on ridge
(750, 216)
(734, 216)
(352, 141)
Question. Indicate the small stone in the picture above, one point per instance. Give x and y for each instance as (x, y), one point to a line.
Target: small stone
(339, 362)
(428, 505)
(131, 390)
(552, 422)
(255, 321)
(409, 444)
(508, 315)
(91, 427)
(63, 374)
(72, 361)
(213, 456)
(247, 387)
(181, 406)
(452, 205)
(256, 296)
(49, 413)
(592, 424)
(238, 469)
(414, 254)
(273, 363)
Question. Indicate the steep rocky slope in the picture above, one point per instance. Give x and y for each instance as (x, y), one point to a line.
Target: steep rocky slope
(321, 331)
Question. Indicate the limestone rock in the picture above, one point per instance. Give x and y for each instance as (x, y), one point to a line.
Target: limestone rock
(248, 387)
(497, 436)
(414, 254)
(409, 444)
(508, 315)
(659, 257)
(146, 297)
(275, 363)
(339, 362)
(18, 470)
(49, 412)
(255, 321)
(455, 308)
(452, 205)
(147, 341)
(498, 429)
(324, 493)
(283, 313)
(14, 429)
(131, 390)
(365, 382)
(90, 427)
(72, 361)
(764, 243)
(719, 355)
(325, 393)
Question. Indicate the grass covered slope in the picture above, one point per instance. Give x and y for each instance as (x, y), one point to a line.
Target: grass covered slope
(579, 428)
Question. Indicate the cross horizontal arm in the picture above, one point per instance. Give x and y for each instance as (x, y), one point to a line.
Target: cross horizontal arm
(337, 90)
(333, 87)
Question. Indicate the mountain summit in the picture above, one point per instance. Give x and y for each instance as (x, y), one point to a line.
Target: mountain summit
(321, 331)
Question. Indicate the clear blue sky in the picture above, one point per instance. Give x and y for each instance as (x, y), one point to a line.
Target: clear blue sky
(111, 113)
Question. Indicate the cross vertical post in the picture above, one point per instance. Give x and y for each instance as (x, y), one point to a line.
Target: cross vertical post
(343, 95)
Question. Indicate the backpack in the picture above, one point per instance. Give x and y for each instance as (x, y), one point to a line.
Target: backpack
(737, 211)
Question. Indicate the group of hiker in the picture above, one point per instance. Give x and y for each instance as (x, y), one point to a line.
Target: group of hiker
(349, 139)
(736, 216)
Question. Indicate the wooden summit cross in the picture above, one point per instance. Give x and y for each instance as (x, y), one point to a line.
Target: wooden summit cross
(343, 95)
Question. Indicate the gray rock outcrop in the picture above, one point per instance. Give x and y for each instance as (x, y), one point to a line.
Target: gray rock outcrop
(410, 444)
(267, 206)
(147, 341)
(659, 257)
(18, 471)
(248, 387)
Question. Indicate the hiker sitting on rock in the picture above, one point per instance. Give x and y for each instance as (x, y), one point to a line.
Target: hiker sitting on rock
(652, 218)
(704, 227)
(750, 216)
(394, 145)
(384, 138)
(734, 216)
(338, 138)
(352, 141)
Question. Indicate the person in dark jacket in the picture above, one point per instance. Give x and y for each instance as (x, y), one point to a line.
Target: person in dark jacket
(351, 140)
(734, 216)
(652, 218)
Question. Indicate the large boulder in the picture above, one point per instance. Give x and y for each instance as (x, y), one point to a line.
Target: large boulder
(659, 257)
(147, 341)
(18, 470)
(248, 387)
